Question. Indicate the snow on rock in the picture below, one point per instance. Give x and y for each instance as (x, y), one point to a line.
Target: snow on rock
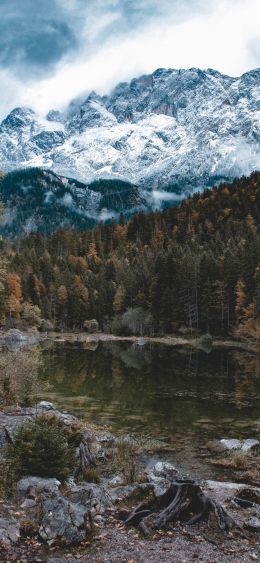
(183, 128)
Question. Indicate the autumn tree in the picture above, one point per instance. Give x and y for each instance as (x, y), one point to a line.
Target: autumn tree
(13, 294)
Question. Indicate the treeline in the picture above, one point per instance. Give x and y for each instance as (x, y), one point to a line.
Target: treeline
(38, 199)
(191, 267)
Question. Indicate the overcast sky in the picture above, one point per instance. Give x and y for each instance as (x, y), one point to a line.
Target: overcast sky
(54, 50)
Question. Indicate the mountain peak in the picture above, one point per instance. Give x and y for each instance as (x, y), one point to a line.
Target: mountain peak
(18, 117)
(183, 128)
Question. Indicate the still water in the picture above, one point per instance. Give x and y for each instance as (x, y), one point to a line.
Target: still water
(182, 396)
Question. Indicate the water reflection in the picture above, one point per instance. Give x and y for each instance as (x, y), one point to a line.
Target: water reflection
(157, 389)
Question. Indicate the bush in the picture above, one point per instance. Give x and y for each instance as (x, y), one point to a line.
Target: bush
(135, 321)
(40, 448)
(46, 326)
(31, 314)
(91, 325)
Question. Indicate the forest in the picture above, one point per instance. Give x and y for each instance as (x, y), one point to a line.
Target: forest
(191, 268)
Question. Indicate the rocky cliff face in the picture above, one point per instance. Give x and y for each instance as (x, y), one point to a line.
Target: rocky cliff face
(172, 130)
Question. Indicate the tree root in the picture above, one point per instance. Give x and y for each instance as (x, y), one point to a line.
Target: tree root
(185, 502)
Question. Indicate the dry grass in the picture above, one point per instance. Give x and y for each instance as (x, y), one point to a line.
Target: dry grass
(8, 479)
(19, 382)
(124, 459)
(91, 474)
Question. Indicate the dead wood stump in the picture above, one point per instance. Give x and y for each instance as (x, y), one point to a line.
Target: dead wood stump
(86, 458)
(184, 502)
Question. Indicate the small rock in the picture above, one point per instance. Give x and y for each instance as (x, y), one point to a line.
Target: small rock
(164, 469)
(66, 418)
(46, 406)
(161, 475)
(28, 503)
(116, 481)
(99, 519)
(231, 444)
(249, 444)
(244, 445)
(253, 524)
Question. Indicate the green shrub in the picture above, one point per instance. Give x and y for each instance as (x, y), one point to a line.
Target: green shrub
(91, 326)
(40, 448)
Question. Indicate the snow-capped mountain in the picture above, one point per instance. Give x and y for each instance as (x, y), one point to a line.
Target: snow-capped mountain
(172, 131)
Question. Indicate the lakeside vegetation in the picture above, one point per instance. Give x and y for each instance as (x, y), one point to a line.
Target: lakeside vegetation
(190, 268)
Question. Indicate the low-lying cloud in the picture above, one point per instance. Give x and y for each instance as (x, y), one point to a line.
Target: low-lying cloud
(53, 50)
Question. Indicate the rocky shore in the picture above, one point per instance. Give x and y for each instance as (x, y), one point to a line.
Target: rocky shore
(122, 510)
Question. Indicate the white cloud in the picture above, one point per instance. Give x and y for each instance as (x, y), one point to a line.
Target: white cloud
(223, 37)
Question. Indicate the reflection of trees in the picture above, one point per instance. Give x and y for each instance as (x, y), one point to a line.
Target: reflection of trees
(93, 346)
(117, 373)
(132, 356)
(246, 378)
(153, 387)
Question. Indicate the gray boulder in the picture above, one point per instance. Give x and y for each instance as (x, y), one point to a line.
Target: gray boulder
(64, 522)
(15, 335)
(222, 491)
(92, 496)
(9, 424)
(33, 487)
(9, 532)
(58, 519)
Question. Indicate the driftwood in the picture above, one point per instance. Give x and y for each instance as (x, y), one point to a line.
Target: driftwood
(86, 458)
(185, 502)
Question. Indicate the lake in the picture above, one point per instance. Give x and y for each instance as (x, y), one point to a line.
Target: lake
(182, 396)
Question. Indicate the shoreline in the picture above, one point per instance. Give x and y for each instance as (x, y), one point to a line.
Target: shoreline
(204, 342)
(168, 340)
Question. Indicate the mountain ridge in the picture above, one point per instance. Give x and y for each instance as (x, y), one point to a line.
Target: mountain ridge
(174, 129)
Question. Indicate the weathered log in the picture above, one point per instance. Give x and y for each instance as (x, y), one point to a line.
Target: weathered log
(185, 502)
(86, 458)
